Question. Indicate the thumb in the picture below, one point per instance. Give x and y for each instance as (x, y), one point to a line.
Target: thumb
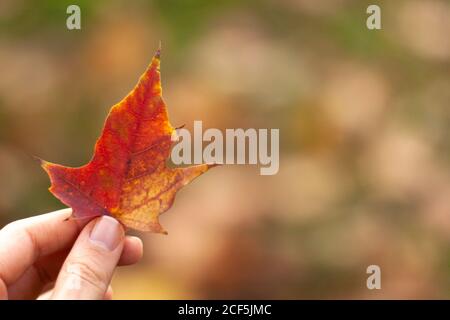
(89, 267)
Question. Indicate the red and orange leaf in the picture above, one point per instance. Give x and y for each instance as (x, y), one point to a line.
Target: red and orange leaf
(127, 177)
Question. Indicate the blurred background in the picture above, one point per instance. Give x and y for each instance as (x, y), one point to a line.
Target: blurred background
(364, 137)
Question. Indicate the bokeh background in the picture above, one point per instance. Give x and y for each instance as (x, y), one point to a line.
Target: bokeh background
(364, 125)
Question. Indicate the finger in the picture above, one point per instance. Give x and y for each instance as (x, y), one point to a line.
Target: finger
(89, 267)
(37, 277)
(48, 294)
(109, 294)
(22, 291)
(24, 241)
(32, 282)
(28, 287)
(132, 251)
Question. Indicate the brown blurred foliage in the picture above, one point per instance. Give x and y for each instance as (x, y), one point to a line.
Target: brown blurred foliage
(364, 126)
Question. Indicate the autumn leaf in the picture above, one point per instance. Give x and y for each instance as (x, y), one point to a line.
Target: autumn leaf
(127, 177)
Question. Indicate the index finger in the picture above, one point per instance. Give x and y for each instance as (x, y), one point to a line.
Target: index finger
(22, 242)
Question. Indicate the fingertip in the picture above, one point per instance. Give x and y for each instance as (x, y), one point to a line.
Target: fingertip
(136, 242)
(133, 251)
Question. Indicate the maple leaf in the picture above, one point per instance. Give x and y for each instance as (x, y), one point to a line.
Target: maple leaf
(127, 176)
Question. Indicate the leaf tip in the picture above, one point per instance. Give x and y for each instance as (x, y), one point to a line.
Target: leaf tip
(161, 230)
(158, 52)
(44, 164)
(37, 158)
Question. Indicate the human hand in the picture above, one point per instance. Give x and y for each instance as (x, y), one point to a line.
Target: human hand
(79, 255)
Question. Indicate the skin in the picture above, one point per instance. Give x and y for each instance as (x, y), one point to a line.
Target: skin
(38, 255)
